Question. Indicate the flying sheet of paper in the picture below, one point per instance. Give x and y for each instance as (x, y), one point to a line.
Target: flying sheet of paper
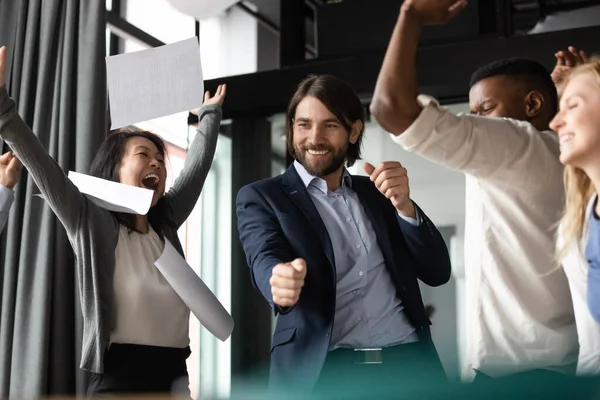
(113, 196)
(152, 83)
(194, 293)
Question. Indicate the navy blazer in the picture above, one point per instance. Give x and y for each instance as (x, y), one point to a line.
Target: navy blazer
(278, 222)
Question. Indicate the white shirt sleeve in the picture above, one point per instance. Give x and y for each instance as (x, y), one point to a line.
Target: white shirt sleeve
(7, 197)
(483, 147)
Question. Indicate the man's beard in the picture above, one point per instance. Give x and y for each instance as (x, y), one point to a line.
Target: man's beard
(335, 159)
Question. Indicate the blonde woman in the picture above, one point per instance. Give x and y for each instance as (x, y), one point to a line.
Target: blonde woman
(578, 128)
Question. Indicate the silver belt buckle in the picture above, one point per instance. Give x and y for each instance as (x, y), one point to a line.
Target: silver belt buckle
(368, 356)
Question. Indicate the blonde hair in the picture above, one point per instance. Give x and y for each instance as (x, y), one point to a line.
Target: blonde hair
(578, 186)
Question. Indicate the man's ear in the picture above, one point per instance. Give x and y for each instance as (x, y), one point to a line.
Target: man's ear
(534, 103)
(357, 128)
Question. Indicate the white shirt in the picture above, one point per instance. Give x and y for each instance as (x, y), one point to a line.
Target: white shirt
(517, 319)
(149, 311)
(588, 330)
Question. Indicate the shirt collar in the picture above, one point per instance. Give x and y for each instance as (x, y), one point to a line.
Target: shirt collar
(317, 182)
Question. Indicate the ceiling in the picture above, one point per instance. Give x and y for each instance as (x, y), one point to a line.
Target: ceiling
(524, 13)
(268, 9)
(527, 13)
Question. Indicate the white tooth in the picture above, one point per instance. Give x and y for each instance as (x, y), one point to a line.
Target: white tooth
(566, 138)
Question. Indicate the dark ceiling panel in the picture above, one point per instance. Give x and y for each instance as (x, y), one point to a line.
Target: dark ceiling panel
(442, 73)
(526, 13)
(269, 9)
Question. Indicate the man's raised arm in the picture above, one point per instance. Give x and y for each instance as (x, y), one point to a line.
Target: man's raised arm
(394, 105)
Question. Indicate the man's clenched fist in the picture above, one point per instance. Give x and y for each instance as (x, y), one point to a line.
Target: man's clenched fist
(391, 179)
(287, 281)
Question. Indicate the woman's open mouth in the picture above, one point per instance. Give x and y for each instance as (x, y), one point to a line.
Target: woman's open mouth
(150, 181)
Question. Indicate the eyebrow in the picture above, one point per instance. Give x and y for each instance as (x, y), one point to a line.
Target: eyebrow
(141, 147)
(484, 102)
(328, 120)
(564, 100)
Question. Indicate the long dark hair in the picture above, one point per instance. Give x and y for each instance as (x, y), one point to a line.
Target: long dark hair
(106, 165)
(339, 98)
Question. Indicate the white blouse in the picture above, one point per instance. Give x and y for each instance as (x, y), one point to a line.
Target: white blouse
(149, 312)
(588, 330)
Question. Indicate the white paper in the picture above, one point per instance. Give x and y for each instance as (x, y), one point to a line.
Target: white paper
(194, 293)
(152, 83)
(113, 196)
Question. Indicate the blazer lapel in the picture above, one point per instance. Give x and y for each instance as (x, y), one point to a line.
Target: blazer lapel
(368, 195)
(296, 191)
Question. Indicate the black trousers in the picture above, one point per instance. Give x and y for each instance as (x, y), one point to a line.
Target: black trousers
(131, 369)
(402, 371)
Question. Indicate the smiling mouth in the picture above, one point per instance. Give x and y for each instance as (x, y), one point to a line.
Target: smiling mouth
(565, 138)
(150, 181)
(317, 152)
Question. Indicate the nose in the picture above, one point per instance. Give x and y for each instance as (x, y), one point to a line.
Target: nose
(316, 133)
(557, 121)
(154, 163)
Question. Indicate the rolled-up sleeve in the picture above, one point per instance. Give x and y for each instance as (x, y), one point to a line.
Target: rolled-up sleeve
(479, 146)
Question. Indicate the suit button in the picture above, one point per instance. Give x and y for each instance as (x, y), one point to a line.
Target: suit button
(327, 335)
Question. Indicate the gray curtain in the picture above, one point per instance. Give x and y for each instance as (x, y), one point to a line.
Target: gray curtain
(57, 77)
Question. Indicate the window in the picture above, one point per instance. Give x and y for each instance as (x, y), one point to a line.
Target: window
(159, 19)
(107, 42)
(215, 260)
(206, 240)
(228, 44)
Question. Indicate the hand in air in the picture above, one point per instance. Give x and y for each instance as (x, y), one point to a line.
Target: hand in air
(218, 98)
(433, 12)
(565, 62)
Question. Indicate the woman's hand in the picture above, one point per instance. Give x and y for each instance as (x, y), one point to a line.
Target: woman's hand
(565, 62)
(218, 98)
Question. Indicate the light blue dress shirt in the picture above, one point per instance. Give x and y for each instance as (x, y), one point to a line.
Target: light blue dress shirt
(368, 314)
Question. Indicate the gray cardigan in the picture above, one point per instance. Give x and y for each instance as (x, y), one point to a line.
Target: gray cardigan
(93, 231)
